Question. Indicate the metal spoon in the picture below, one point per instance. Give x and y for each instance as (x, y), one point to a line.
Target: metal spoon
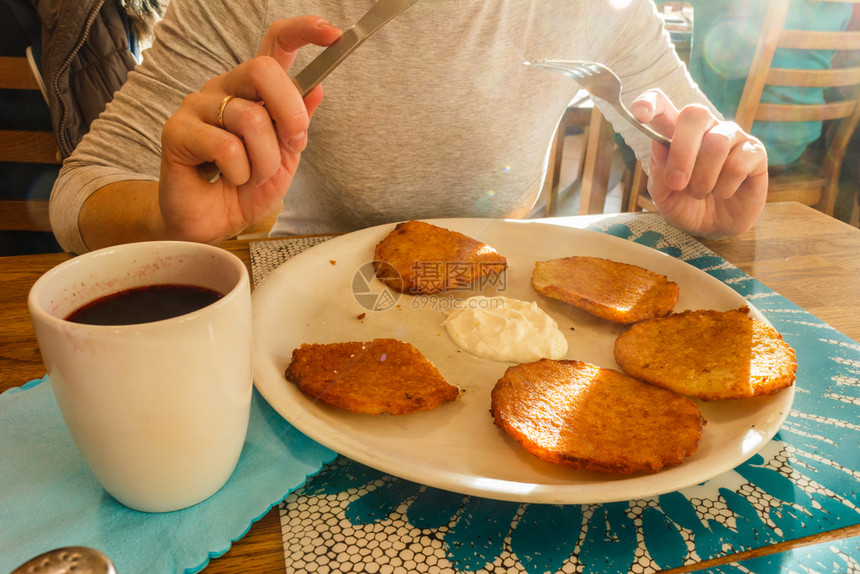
(78, 559)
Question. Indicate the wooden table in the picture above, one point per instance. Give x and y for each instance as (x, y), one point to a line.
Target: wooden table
(800, 253)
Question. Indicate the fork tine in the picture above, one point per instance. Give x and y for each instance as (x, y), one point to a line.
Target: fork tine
(551, 64)
(572, 69)
(577, 69)
(580, 70)
(575, 73)
(566, 64)
(602, 83)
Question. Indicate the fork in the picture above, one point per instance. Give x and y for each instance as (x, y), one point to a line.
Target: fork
(600, 82)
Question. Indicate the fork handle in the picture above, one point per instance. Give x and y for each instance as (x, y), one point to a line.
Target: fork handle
(646, 129)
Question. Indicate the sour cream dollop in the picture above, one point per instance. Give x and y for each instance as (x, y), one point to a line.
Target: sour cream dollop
(505, 329)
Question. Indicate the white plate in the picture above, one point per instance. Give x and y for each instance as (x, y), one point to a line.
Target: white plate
(311, 299)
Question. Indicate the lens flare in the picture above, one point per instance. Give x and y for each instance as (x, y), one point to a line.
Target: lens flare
(729, 47)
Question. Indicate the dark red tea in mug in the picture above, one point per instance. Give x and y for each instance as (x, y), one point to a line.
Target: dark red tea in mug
(144, 305)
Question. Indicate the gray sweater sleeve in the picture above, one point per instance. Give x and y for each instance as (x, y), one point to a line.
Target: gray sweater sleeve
(196, 40)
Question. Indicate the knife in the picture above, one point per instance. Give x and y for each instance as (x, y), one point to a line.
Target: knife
(330, 58)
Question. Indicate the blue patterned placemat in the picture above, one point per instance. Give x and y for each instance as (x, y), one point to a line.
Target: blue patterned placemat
(353, 518)
(50, 499)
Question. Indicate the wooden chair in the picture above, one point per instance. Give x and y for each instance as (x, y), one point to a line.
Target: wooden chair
(24, 147)
(595, 161)
(574, 116)
(816, 187)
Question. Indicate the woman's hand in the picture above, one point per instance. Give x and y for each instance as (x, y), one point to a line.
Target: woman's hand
(252, 124)
(712, 180)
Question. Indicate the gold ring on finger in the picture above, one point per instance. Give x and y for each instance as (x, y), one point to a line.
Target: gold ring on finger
(221, 107)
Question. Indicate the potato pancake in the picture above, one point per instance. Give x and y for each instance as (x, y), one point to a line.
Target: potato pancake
(375, 377)
(420, 258)
(712, 355)
(583, 416)
(615, 291)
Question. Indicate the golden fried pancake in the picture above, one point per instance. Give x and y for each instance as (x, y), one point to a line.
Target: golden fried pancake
(711, 355)
(380, 376)
(615, 291)
(580, 415)
(420, 258)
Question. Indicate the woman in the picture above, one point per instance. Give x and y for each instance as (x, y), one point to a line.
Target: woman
(434, 116)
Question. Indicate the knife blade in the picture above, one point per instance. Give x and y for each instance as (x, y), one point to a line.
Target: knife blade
(330, 58)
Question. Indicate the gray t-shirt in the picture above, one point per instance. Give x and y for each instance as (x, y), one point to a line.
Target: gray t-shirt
(434, 116)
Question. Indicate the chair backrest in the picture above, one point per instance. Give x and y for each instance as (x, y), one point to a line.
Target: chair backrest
(841, 112)
(23, 146)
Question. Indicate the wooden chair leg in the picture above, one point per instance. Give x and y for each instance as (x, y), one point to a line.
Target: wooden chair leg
(855, 211)
(597, 164)
(827, 203)
(580, 169)
(573, 116)
(638, 185)
(554, 172)
(626, 180)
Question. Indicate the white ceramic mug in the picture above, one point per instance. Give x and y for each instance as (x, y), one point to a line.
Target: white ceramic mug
(158, 410)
